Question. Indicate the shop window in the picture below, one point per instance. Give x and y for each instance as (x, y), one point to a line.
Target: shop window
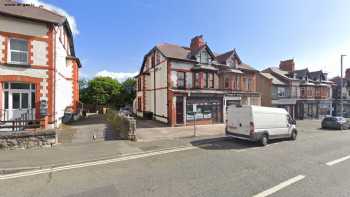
(18, 51)
(180, 79)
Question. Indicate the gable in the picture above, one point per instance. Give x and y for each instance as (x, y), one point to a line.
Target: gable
(204, 55)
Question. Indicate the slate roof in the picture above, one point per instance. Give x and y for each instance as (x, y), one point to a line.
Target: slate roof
(185, 53)
(275, 80)
(13, 8)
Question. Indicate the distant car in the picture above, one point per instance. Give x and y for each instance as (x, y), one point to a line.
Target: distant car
(335, 123)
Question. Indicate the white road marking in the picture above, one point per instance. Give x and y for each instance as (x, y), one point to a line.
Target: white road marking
(337, 160)
(88, 164)
(280, 186)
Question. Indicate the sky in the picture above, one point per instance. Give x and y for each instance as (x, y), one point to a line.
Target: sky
(112, 36)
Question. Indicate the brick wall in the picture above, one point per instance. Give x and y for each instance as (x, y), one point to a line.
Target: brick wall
(264, 87)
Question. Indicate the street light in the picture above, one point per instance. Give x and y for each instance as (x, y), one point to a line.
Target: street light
(341, 85)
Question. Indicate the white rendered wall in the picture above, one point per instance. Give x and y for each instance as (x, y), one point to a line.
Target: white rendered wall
(26, 27)
(39, 53)
(63, 85)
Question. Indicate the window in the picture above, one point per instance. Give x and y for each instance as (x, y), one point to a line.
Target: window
(211, 80)
(180, 79)
(15, 100)
(25, 101)
(189, 80)
(318, 91)
(33, 99)
(245, 82)
(302, 92)
(139, 84)
(197, 80)
(6, 100)
(238, 82)
(18, 51)
(250, 84)
(139, 104)
(204, 57)
(227, 83)
(281, 92)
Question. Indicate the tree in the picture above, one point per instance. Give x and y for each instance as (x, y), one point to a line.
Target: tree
(128, 92)
(83, 85)
(102, 91)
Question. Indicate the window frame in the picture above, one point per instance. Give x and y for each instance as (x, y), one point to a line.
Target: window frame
(18, 51)
(178, 80)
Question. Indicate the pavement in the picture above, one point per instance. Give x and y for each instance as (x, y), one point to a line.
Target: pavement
(317, 164)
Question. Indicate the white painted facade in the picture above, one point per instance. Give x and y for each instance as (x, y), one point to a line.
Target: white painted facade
(37, 35)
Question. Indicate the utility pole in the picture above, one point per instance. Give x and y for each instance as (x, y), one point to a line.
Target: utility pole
(341, 85)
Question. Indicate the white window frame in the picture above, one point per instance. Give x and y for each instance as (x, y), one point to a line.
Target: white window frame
(9, 52)
(281, 90)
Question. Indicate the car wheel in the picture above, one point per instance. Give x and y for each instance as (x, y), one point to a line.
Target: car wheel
(294, 134)
(263, 140)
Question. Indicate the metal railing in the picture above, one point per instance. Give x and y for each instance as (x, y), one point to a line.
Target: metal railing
(25, 120)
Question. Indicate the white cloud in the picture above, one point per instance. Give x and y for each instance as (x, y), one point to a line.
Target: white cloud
(60, 11)
(327, 60)
(120, 76)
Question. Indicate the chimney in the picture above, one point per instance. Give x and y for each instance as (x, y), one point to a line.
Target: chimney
(197, 42)
(287, 65)
(347, 73)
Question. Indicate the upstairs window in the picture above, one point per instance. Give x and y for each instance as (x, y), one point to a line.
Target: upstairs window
(281, 92)
(197, 80)
(211, 80)
(204, 57)
(181, 79)
(227, 83)
(18, 51)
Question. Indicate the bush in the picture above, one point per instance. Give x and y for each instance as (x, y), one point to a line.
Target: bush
(119, 124)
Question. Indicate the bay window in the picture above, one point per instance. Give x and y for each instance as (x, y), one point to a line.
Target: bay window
(181, 79)
(197, 80)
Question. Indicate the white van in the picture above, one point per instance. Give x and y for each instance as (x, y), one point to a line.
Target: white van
(259, 124)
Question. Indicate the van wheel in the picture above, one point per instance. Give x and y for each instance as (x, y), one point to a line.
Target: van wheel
(293, 136)
(264, 140)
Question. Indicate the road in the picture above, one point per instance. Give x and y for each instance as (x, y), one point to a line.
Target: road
(317, 164)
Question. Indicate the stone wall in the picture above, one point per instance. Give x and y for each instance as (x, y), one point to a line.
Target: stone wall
(26, 140)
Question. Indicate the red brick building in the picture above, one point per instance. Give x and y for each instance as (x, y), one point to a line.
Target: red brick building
(176, 81)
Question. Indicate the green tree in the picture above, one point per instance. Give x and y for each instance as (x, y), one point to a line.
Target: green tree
(102, 91)
(83, 85)
(128, 92)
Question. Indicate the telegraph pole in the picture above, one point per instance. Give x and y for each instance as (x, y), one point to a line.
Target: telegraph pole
(341, 85)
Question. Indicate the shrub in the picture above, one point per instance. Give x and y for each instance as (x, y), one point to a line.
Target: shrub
(119, 124)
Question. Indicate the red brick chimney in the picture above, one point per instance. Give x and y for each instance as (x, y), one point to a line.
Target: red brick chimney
(287, 65)
(197, 42)
(347, 73)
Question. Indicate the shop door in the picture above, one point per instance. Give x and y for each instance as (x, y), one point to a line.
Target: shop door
(179, 110)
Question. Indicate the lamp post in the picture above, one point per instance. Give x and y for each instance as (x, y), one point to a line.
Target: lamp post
(341, 85)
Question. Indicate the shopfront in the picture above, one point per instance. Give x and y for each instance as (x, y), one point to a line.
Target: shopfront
(204, 109)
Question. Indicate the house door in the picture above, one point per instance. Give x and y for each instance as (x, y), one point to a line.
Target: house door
(179, 110)
(19, 98)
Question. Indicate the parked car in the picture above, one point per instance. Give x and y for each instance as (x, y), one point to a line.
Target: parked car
(259, 124)
(336, 122)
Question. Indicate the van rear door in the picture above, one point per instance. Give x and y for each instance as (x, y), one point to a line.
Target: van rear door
(238, 120)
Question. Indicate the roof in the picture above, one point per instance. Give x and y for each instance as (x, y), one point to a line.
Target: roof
(301, 73)
(175, 51)
(275, 80)
(223, 57)
(40, 14)
(316, 74)
(13, 8)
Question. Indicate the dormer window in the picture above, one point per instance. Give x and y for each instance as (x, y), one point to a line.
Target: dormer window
(204, 57)
(18, 50)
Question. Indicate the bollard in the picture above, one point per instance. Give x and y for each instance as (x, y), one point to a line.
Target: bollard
(132, 129)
